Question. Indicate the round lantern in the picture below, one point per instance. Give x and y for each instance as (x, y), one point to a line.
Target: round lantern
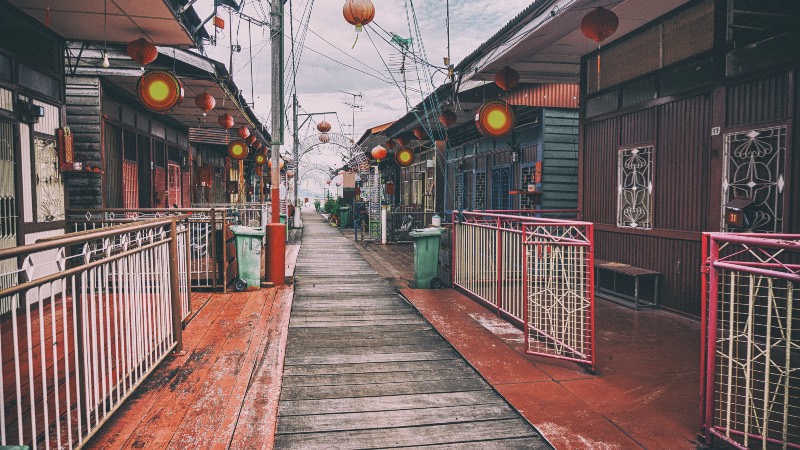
(401, 141)
(244, 132)
(159, 90)
(205, 102)
(447, 118)
(280, 163)
(256, 145)
(404, 157)
(328, 182)
(389, 144)
(420, 133)
(324, 138)
(290, 173)
(238, 150)
(225, 121)
(251, 139)
(506, 78)
(142, 51)
(341, 172)
(358, 12)
(599, 24)
(323, 127)
(494, 119)
(261, 159)
(379, 152)
(441, 145)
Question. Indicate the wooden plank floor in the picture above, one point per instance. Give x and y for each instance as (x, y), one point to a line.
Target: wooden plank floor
(363, 369)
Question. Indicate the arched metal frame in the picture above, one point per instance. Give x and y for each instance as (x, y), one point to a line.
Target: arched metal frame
(357, 160)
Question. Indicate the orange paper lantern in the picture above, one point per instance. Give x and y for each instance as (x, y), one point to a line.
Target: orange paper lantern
(142, 51)
(441, 145)
(256, 145)
(379, 152)
(599, 24)
(494, 119)
(251, 139)
(390, 144)
(280, 163)
(420, 133)
(205, 102)
(447, 118)
(402, 141)
(159, 90)
(238, 150)
(323, 127)
(506, 78)
(358, 12)
(244, 132)
(404, 157)
(225, 121)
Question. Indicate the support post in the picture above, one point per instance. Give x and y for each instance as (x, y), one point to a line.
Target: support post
(275, 231)
(174, 286)
(383, 225)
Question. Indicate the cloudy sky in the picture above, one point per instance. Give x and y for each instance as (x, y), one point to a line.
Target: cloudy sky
(329, 63)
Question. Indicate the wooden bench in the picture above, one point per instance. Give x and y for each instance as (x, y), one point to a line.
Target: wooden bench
(620, 274)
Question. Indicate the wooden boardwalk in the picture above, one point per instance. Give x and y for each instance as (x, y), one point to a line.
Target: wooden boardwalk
(364, 369)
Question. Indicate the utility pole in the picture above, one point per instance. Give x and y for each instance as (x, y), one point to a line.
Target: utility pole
(353, 105)
(275, 232)
(296, 158)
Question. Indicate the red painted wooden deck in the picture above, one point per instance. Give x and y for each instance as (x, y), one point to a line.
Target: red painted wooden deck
(223, 391)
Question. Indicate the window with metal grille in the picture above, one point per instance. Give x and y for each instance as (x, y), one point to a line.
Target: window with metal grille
(635, 188)
(754, 167)
(49, 185)
(8, 211)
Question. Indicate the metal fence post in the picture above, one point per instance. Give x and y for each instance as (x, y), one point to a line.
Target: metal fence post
(213, 238)
(499, 265)
(177, 325)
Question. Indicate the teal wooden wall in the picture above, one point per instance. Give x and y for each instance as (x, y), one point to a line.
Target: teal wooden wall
(559, 159)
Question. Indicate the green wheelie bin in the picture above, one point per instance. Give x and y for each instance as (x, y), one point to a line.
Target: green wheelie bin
(426, 257)
(249, 241)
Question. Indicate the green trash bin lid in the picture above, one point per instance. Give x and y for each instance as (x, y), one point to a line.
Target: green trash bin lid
(241, 230)
(426, 232)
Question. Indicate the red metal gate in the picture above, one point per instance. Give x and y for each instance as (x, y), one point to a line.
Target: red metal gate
(750, 369)
(536, 272)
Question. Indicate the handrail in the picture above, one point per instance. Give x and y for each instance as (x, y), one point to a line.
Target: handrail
(62, 241)
(111, 227)
(519, 218)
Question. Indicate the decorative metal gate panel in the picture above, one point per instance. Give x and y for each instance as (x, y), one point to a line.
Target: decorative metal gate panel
(536, 272)
(750, 371)
(130, 185)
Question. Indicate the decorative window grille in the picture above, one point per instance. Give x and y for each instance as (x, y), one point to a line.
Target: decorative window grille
(49, 185)
(458, 196)
(8, 214)
(417, 191)
(406, 195)
(635, 188)
(754, 166)
(480, 190)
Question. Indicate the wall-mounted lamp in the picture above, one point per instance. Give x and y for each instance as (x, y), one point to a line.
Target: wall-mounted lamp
(515, 151)
(28, 111)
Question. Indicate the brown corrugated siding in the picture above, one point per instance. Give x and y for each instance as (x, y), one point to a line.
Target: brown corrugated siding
(600, 172)
(681, 164)
(638, 127)
(677, 260)
(545, 95)
(762, 100)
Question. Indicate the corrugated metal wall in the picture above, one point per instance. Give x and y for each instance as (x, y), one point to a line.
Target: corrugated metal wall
(679, 133)
(762, 100)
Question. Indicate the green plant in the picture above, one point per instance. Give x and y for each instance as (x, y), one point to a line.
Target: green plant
(317, 205)
(331, 206)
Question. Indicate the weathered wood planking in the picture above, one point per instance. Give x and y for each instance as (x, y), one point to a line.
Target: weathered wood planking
(364, 369)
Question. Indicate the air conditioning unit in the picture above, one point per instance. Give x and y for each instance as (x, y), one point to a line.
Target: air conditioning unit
(430, 163)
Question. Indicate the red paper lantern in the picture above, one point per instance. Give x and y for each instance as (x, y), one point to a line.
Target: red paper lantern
(290, 173)
(261, 159)
(280, 163)
(238, 150)
(324, 138)
(142, 51)
(244, 132)
(323, 127)
(390, 144)
(328, 182)
(256, 145)
(205, 102)
(420, 133)
(441, 145)
(494, 119)
(447, 118)
(159, 90)
(225, 121)
(599, 24)
(404, 157)
(401, 141)
(379, 152)
(358, 12)
(251, 139)
(506, 78)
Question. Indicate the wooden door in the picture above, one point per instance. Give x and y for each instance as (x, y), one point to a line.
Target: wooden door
(174, 185)
(130, 185)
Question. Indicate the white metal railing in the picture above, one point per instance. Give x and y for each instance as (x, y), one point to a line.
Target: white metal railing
(97, 312)
(251, 214)
(537, 272)
(207, 254)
